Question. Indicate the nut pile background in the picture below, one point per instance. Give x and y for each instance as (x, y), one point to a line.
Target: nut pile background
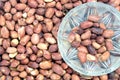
(28, 45)
(92, 40)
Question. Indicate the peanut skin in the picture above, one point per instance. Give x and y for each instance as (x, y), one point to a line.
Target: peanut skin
(86, 35)
(96, 45)
(20, 6)
(86, 42)
(50, 12)
(24, 40)
(4, 32)
(93, 18)
(100, 39)
(86, 24)
(71, 37)
(82, 57)
(105, 56)
(75, 44)
(109, 44)
(91, 57)
(2, 20)
(82, 49)
(102, 26)
(91, 49)
(97, 30)
(108, 33)
(102, 49)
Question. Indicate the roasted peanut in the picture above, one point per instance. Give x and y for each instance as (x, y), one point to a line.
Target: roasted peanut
(75, 44)
(45, 65)
(91, 57)
(58, 69)
(91, 50)
(4, 32)
(108, 33)
(86, 35)
(82, 49)
(97, 30)
(86, 42)
(105, 56)
(82, 57)
(96, 45)
(94, 18)
(108, 44)
(100, 39)
(71, 37)
(102, 49)
(2, 20)
(102, 26)
(86, 24)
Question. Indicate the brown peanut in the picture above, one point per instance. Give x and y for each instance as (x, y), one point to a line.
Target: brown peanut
(45, 65)
(4, 32)
(91, 57)
(105, 56)
(86, 24)
(108, 33)
(82, 57)
(2, 20)
(94, 18)
(20, 6)
(96, 45)
(58, 69)
(102, 49)
(82, 49)
(102, 26)
(49, 12)
(109, 44)
(86, 35)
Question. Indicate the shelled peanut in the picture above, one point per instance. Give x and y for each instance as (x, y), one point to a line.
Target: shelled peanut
(92, 40)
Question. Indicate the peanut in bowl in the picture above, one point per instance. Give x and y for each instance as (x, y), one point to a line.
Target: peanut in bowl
(108, 16)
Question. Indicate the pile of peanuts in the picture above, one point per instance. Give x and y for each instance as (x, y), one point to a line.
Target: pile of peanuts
(28, 40)
(92, 40)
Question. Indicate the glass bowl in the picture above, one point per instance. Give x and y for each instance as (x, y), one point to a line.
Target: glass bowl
(110, 17)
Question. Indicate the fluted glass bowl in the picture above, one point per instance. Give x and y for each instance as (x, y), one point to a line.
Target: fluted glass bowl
(110, 17)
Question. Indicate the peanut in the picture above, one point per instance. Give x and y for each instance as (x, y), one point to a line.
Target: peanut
(91, 57)
(97, 30)
(42, 45)
(49, 12)
(102, 49)
(4, 32)
(86, 24)
(96, 45)
(45, 65)
(105, 56)
(58, 69)
(82, 49)
(86, 42)
(20, 6)
(108, 33)
(11, 50)
(2, 20)
(86, 35)
(102, 26)
(91, 49)
(94, 18)
(82, 57)
(109, 44)
(35, 38)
